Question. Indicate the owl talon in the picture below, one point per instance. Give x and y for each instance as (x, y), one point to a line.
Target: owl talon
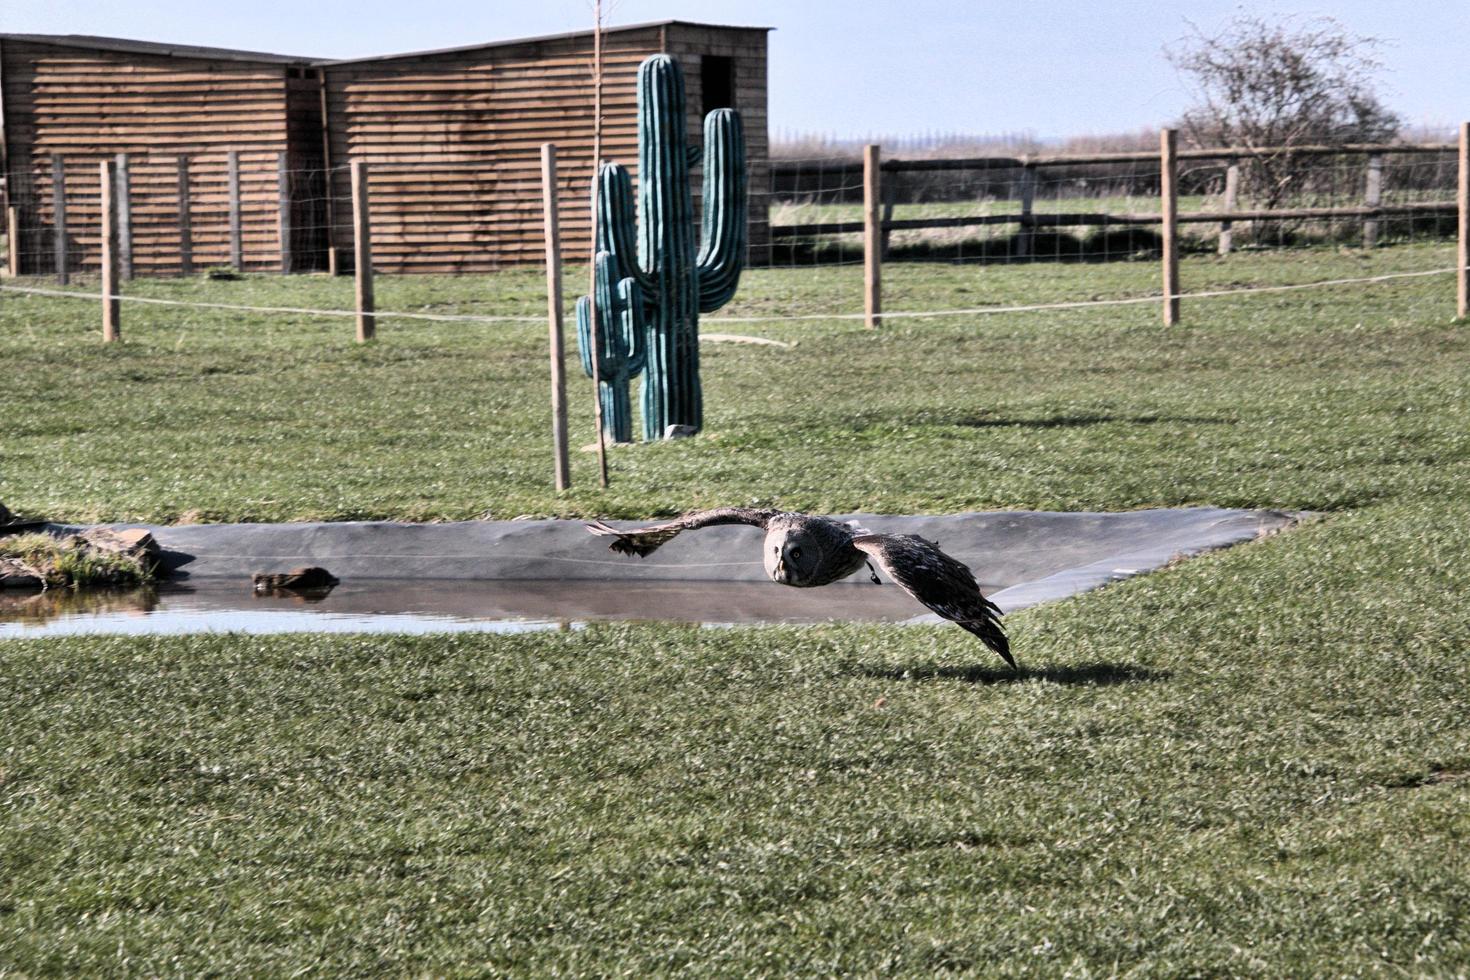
(872, 574)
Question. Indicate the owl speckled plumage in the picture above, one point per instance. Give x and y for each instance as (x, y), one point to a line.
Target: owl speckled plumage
(805, 552)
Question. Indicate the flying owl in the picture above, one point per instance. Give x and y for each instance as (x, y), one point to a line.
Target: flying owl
(806, 552)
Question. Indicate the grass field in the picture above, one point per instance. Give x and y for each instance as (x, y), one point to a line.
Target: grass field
(1255, 763)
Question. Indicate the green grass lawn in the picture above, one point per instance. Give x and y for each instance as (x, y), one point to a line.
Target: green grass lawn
(1256, 762)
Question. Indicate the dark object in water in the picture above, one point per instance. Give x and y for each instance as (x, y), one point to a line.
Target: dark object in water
(307, 579)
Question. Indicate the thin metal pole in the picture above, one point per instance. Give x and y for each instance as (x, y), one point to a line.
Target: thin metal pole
(553, 318)
(592, 288)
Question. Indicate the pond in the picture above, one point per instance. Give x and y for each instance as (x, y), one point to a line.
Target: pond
(508, 576)
(439, 606)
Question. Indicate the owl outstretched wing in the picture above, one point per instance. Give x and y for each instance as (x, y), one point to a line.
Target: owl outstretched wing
(940, 582)
(643, 541)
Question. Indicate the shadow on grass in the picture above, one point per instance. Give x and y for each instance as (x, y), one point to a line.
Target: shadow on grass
(1081, 421)
(1099, 674)
(895, 419)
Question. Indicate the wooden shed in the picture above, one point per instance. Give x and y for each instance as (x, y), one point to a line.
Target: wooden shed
(176, 113)
(237, 157)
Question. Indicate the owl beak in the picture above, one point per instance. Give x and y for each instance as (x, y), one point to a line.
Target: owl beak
(781, 569)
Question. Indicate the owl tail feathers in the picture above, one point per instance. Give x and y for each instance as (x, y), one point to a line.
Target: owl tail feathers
(640, 543)
(993, 635)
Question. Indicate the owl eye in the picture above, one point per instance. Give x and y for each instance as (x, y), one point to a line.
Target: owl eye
(795, 554)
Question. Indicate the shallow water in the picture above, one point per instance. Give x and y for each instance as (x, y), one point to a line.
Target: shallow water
(434, 606)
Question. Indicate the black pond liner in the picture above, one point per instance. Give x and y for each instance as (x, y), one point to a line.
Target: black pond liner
(517, 575)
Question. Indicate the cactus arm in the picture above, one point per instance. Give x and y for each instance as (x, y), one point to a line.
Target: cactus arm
(618, 351)
(634, 327)
(724, 218)
(616, 225)
(584, 333)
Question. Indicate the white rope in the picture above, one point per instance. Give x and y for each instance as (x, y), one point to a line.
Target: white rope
(438, 317)
(737, 338)
(1313, 285)
(919, 314)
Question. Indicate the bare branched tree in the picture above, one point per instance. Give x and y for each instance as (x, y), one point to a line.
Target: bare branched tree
(1261, 85)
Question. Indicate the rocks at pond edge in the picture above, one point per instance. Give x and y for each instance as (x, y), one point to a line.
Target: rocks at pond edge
(15, 574)
(134, 542)
(308, 578)
(96, 557)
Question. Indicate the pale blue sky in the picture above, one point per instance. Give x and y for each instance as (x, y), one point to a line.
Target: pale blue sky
(853, 68)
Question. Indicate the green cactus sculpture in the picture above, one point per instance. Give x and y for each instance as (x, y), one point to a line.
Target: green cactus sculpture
(669, 278)
(620, 339)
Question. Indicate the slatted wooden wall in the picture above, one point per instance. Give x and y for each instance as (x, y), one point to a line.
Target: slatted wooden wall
(453, 145)
(85, 104)
(690, 43)
(453, 140)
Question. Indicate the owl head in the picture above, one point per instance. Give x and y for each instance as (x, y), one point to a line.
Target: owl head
(792, 557)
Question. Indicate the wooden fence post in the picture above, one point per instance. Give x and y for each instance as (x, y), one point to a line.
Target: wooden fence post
(12, 238)
(1025, 238)
(1232, 193)
(232, 178)
(1462, 252)
(58, 219)
(283, 218)
(872, 238)
(186, 220)
(554, 318)
(362, 252)
(111, 328)
(1169, 199)
(1372, 197)
(124, 202)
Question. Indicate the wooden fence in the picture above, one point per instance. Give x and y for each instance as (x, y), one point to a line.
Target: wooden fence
(111, 217)
(878, 222)
(175, 214)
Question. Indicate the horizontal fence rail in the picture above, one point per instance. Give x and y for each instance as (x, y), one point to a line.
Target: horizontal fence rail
(855, 168)
(1099, 218)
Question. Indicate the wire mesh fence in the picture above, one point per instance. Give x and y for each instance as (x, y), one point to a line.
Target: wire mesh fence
(263, 212)
(990, 210)
(1111, 207)
(231, 211)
